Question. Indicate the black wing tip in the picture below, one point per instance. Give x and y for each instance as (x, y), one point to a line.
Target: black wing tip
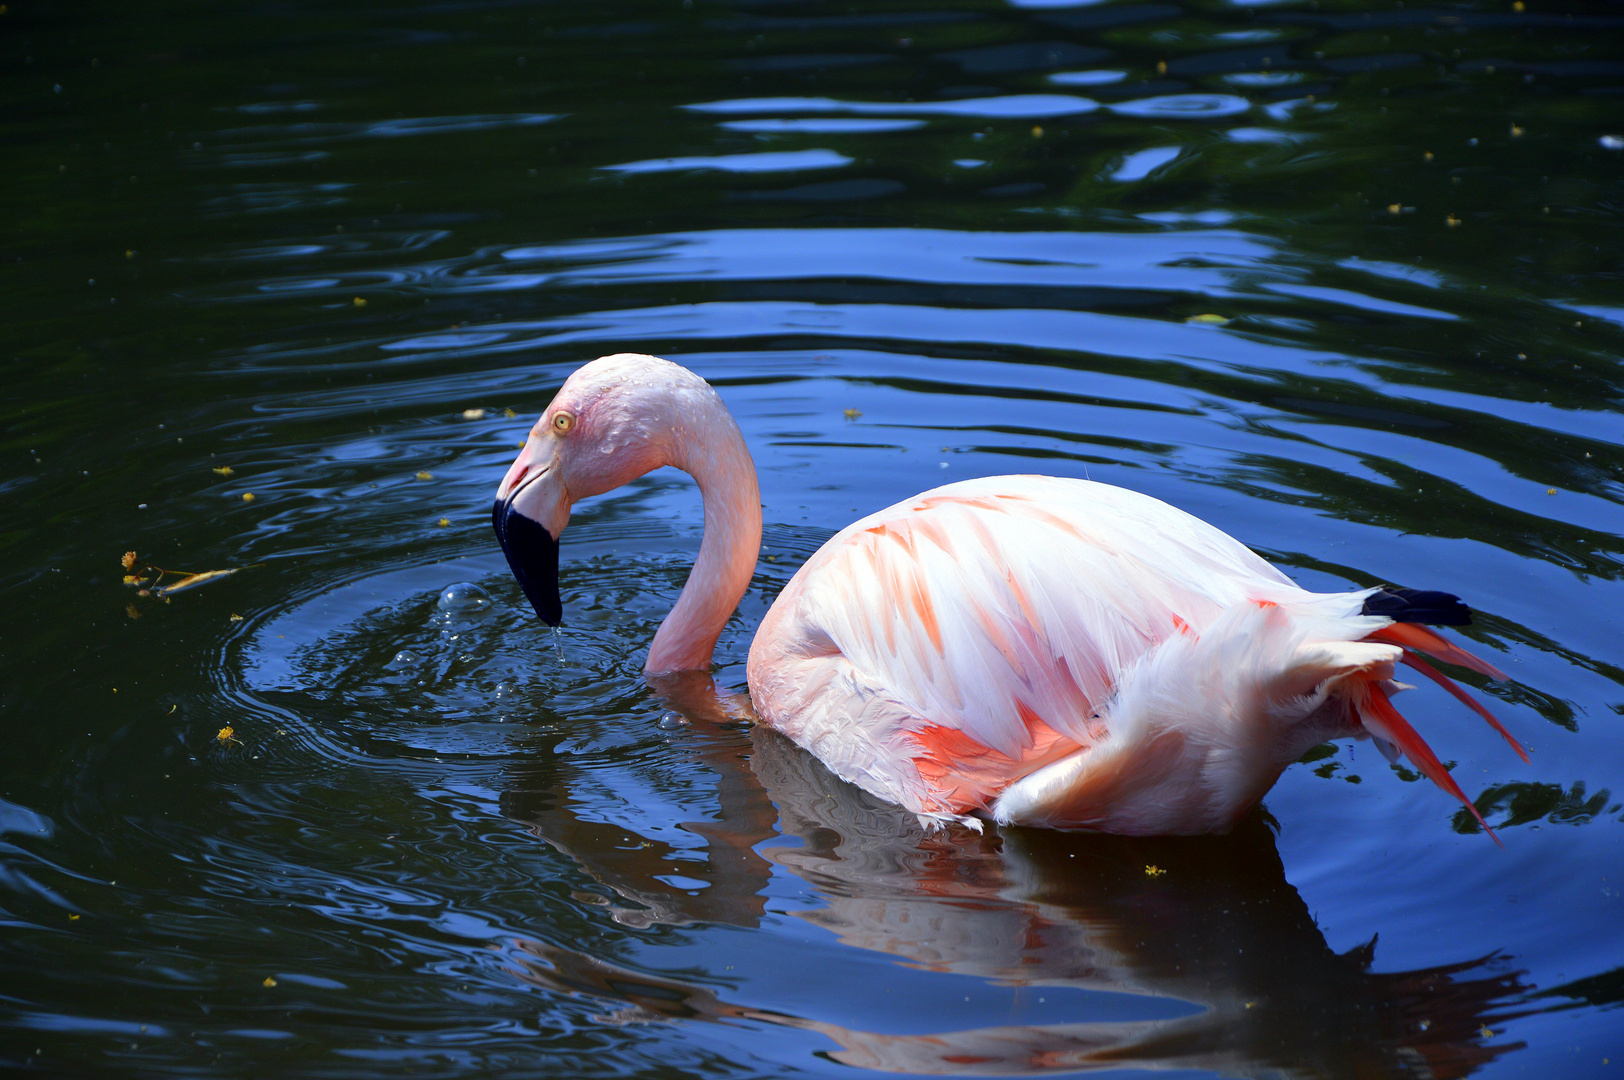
(1418, 606)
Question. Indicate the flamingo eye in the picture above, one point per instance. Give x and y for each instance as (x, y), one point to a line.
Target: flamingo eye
(563, 422)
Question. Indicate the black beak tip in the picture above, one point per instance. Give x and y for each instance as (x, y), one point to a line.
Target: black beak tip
(532, 555)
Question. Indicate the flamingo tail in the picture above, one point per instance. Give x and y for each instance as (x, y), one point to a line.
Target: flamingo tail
(1384, 721)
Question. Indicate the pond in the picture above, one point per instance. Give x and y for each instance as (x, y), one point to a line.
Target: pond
(284, 286)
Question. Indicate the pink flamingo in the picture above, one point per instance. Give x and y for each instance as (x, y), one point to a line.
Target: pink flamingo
(1031, 649)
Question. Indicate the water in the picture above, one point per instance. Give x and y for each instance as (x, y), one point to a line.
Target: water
(1343, 279)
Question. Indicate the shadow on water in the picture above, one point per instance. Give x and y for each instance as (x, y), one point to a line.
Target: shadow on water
(1201, 944)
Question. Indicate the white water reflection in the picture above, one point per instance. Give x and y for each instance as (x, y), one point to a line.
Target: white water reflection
(769, 161)
(1010, 106)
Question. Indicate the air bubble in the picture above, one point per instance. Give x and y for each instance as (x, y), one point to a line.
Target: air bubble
(463, 598)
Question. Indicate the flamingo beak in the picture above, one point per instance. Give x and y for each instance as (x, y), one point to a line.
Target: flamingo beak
(531, 511)
(532, 555)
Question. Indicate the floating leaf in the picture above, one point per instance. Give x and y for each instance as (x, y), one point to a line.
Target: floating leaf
(268, 983)
(128, 560)
(425, 476)
(509, 413)
(443, 522)
(1209, 320)
(235, 617)
(473, 414)
(359, 301)
(851, 414)
(225, 470)
(248, 496)
(226, 735)
(1154, 871)
(132, 611)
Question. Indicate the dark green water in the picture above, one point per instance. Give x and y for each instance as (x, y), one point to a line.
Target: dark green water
(910, 242)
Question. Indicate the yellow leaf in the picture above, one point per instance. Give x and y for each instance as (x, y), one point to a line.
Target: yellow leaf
(425, 476)
(1154, 871)
(1452, 221)
(1395, 208)
(248, 496)
(852, 414)
(225, 470)
(235, 617)
(73, 918)
(128, 560)
(443, 522)
(509, 413)
(268, 983)
(359, 301)
(226, 734)
(1210, 320)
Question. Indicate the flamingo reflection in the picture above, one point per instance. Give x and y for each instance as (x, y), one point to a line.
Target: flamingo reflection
(1209, 925)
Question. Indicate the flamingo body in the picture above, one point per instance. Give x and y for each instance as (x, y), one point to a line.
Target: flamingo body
(1033, 649)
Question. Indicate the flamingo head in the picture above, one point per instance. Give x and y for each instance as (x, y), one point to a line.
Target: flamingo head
(612, 421)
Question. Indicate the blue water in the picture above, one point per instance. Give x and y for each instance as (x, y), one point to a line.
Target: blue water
(1342, 279)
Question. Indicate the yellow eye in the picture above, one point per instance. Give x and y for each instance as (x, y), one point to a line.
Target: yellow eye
(563, 421)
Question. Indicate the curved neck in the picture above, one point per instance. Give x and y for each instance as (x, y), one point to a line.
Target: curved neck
(727, 556)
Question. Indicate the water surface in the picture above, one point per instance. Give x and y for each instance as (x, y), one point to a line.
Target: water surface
(1341, 278)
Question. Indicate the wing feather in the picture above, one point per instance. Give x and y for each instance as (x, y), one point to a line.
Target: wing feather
(1005, 609)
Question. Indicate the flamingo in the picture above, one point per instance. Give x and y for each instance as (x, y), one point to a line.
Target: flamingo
(1034, 650)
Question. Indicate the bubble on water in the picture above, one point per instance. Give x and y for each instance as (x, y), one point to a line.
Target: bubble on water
(404, 659)
(463, 598)
(671, 721)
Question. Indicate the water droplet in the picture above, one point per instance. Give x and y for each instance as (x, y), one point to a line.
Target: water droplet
(463, 598)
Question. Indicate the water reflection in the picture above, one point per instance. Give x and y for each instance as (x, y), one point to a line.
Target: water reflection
(1177, 953)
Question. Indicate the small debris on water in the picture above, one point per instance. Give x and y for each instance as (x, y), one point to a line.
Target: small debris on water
(359, 301)
(248, 496)
(1208, 320)
(851, 414)
(425, 476)
(1154, 871)
(225, 470)
(473, 414)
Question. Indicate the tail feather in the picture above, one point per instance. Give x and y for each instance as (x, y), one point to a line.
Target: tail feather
(1464, 698)
(1420, 638)
(1382, 720)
